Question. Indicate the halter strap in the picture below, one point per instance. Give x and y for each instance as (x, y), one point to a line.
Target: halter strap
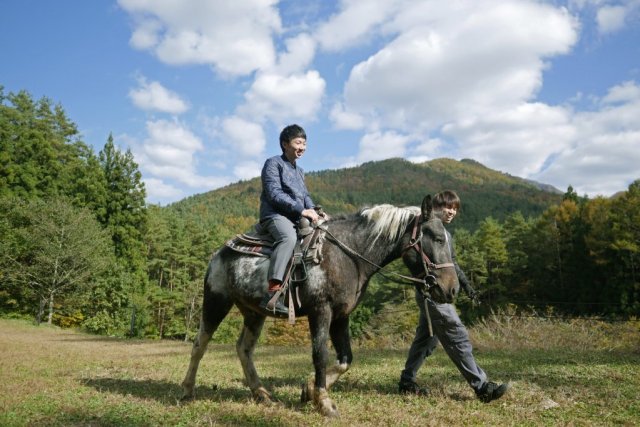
(415, 243)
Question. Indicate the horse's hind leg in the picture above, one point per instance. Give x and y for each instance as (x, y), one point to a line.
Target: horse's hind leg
(339, 332)
(245, 346)
(214, 310)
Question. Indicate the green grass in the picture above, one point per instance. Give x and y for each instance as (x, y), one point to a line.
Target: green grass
(562, 373)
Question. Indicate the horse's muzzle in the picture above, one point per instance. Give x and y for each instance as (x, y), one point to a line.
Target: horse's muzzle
(444, 289)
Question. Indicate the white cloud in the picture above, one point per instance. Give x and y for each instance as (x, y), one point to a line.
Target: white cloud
(283, 98)
(517, 140)
(468, 69)
(233, 37)
(379, 146)
(298, 56)
(247, 169)
(154, 96)
(625, 92)
(243, 136)
(354, 23)
(345, 119)
(447, 69)
(169, 153)
(610, 18)
(426, 150)
(158, 190)
(603, 157)
(145, 36)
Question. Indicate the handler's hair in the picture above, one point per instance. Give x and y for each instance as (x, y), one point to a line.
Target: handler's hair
(291, 132)
(446, 199)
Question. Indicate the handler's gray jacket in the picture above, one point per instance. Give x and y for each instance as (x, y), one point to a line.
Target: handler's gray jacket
(283, 190)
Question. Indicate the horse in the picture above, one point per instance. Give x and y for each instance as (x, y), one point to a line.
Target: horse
(359, 246)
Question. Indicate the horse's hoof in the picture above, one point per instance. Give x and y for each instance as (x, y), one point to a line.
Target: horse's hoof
(324, 404)
(263, 396)
(330, 411)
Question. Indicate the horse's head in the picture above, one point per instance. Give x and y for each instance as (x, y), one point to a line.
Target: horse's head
(427, 254)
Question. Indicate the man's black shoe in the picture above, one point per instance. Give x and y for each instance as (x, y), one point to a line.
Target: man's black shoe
(492, 391)
(278, 309)
(411, 387)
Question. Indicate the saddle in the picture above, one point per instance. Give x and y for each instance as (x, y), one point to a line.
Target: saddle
(308, 249)
(308, 244)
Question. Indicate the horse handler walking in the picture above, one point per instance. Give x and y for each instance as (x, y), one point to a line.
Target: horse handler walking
(447, 327)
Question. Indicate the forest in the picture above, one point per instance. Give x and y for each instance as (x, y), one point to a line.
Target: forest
(82, 248)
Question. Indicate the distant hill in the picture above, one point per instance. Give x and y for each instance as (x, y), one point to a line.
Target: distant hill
(484, 192)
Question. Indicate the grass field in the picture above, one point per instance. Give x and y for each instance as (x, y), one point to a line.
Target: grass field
(562, 373)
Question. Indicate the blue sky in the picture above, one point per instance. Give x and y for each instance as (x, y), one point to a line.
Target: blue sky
(200, 89)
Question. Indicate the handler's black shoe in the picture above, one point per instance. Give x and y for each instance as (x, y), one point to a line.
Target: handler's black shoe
(278, 309)
(411, 387)
(492, 391)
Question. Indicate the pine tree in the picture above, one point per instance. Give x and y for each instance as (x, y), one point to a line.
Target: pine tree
(124, 212)
(41, 154)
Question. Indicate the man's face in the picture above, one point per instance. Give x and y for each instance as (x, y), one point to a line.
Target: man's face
(447, 214)
(295, 148)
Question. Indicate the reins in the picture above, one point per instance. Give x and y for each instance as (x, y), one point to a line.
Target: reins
(344, 247)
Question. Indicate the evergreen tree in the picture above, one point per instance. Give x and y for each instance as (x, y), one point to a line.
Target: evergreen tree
(41, 153)
(626, 244)
(517, 232)
(492, 245)
(124, 213)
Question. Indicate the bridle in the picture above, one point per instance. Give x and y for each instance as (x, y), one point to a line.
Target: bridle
(428, 266)
(424, 282)
(429, 278)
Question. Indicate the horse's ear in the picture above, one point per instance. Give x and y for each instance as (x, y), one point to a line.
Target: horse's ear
(427, 208)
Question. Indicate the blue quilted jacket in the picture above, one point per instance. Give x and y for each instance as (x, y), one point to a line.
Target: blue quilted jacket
(283, 190)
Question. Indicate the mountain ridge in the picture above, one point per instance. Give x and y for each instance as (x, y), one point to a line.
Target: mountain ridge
(484, 192)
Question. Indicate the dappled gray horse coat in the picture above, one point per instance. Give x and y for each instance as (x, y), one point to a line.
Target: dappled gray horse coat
(367, 241)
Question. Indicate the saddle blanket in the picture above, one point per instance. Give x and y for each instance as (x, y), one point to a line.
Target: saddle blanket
(251, 244)
(309, 247)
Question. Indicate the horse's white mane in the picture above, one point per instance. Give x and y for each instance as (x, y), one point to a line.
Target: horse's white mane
(389, 221)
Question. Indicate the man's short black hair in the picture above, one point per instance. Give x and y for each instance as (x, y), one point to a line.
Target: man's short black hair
(291, 132)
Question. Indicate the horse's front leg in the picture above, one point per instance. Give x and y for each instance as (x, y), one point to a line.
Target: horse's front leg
(339, 332)
(319, 324)
(342, 343)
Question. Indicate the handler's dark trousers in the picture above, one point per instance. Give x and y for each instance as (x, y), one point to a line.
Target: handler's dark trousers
(449, 330)
(283, 232)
